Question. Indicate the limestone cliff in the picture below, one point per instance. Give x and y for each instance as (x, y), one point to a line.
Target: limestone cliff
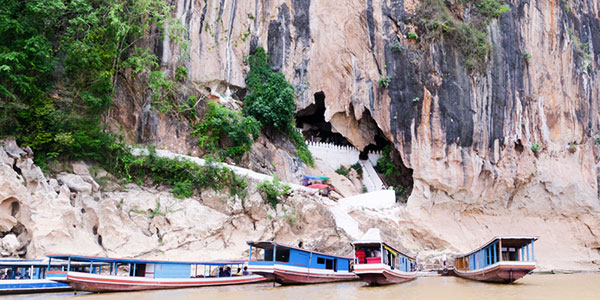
(467, 135)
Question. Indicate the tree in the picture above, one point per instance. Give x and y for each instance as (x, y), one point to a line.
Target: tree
(271, 98)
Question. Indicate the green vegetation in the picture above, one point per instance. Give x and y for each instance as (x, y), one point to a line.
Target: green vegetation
(156, 211)
(384, 81)
(397, 47)
(358, 168)
(488, 8)
(150, 214)
(566, 6)
(181, 74)
(182, 189)
(226, 133)
(535, 148)
(163, 91)
(416, 99)
(412, 36)
(582, 50)
(59, 63)
(273, 191)
(342, 171)
(346, 171)
(270, 97)
(526, 56)
(183, 176)
(470, 38)
(391, 173)
(301, 148)
(271, 101)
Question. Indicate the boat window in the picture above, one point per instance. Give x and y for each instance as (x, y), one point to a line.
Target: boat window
(329, 264)
(140, 270)
(320, 260)
(268, 254)
(283, 255)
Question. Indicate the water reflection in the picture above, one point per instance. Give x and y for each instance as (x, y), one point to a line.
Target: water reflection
(576, 286)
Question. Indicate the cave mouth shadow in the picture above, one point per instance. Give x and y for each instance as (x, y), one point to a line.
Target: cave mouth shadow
(311, 120)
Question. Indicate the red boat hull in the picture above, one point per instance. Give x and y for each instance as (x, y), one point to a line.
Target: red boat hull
(501, 273)
(287, 275)
(382, 275)
(103, 283)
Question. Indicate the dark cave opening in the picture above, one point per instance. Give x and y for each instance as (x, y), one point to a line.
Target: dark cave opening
(314, 127)
(380, 140)
(391, 169)
(390, 166)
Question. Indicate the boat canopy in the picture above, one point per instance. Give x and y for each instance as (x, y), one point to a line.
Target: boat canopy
(373, 238)
(88, 259)
(507, 241)
(317, 177)
(270, 244)
(36, 263)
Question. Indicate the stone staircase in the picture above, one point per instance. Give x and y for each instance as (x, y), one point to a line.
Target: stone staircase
(370, 178)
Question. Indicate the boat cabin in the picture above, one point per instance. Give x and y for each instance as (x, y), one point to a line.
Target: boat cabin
(150, 268)
(31, 268)
(517, 249)
(377, 252)
(268, 253)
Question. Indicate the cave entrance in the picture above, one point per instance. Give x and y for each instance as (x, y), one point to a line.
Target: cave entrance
(389, 164)
(314, 127)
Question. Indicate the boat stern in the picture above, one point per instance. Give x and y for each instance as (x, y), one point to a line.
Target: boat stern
(265, 269)
(381, 274)
(514, 270)
(60, 276)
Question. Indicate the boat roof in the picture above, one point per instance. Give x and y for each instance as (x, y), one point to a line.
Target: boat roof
(510, 241)
(35, 262)
(373, 237)
(79, 258)
(267, 244)
(316, 177)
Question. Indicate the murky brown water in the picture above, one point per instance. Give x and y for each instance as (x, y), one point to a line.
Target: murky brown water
(576, 286)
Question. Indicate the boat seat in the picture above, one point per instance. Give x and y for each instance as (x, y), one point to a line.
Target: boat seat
(373, 260)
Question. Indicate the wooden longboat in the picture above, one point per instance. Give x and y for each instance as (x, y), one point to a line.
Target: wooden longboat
(24, 276)
(288, 265)
(501, 260)
(378, 263)
(147, 274)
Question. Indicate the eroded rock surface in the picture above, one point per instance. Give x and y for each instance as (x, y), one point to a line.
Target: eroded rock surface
(148, 222)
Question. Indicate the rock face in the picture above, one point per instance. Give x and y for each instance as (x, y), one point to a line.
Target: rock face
(47, 216)
(466, 135)
(35, 220)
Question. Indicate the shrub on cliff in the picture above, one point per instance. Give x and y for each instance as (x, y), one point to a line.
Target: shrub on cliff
(391, 173)
(271, 101)
(225, 132)
(437, 19)
(270, 97)
(274, 191)
(342, 171)
(183, 176)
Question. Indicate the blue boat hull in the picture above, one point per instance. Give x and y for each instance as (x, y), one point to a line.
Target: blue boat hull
(31, 286)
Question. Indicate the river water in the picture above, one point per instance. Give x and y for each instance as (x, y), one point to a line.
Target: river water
(573, 286)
